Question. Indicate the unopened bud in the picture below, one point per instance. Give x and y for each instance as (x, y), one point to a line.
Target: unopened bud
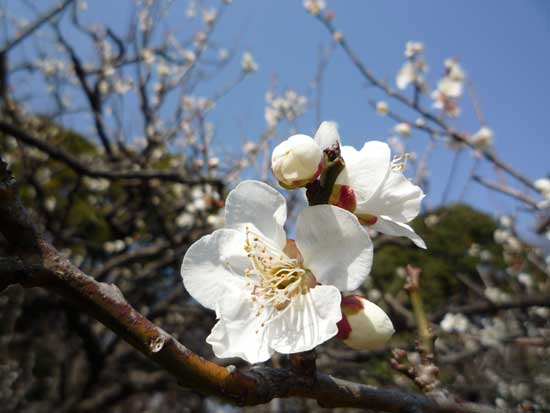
(483, 138)
(296, 161)
(403, 129)
(364, 325)
(382, 108)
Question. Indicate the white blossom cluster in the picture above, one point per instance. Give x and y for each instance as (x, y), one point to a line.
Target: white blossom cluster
(271, 293)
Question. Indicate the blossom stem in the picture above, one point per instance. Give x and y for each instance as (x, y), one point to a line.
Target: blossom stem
(422, 323)
(319, 193)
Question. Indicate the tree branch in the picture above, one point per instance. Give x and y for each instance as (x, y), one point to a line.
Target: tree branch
(84, 169)
(504, 189)
(10, 44)
(413, 104)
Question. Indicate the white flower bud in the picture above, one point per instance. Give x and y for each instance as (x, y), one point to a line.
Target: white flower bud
(543, 186)
(483, 138)
(248, 64)
(296, 161)
(364, 325)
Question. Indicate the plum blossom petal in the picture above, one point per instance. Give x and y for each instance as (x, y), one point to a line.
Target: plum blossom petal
(310, 319)
(327, 135)
(396, 198)
(213, 264)
(238, 332)
(398, 229)
(256, 203)
(334, 246)
(406, 75)
(365, 169)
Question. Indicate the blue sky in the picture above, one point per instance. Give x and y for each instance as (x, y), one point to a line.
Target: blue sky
(503, 46)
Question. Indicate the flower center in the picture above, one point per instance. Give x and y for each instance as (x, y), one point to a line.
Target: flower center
(276, 276)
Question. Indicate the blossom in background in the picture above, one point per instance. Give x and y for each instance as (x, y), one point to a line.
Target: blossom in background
(287, 106)
(269, 293)
(248, 64)
(543, 186)
(483, 138)
(413, 69)
(373, 187)
(449, 88)
(403, 129)
(314, 6)
(364, 325)
(406, 75)
(297, 161)
(454, 323)
(382, 108)
(413, 48)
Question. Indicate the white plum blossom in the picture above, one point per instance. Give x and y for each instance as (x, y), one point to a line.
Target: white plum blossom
(449, 88)
(483, 138)
(50, 203)
(406, 75)
(213, 162)
(413, 48)
(454, 323)
(413, 69)
(506, 221)
(148, 56)
(209, 16)
(296, 161)
(403, 129)
(250, 148)
(493, 333)
(373, 186)
(432, 220)
(269, 293)
(364, 325)
(314, 6)
(496, 295)
(288, 106)
(543, 186)
(526, 279)
(248, 64)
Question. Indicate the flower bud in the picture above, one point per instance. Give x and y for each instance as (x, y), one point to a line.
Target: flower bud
(297, 161)
(483, 138)
(364, 325)
(382, 108)
(403, 129)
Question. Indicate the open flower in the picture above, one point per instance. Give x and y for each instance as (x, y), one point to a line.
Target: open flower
(269, 293)
(373, 187)
(483, 138)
